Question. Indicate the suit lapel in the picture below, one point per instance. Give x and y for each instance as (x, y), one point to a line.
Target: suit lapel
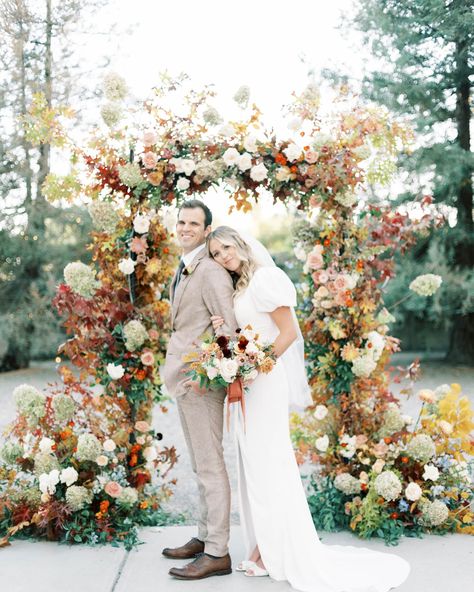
(184, 281)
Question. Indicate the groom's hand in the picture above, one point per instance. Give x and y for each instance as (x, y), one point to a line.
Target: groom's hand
(217, 322)
(194, 386)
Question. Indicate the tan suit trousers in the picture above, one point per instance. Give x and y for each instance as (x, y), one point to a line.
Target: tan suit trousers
(202, 419)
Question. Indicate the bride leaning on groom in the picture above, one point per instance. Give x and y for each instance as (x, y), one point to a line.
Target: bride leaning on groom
(223, 282)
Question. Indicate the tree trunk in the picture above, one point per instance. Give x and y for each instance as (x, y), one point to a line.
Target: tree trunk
(461, 348)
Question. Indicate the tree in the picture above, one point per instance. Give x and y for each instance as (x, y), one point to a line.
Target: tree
(37, 61)
(425, 53)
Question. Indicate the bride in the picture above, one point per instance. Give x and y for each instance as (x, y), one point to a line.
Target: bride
(280, 537)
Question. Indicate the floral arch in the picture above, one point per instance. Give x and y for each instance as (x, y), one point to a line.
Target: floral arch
(82, 462)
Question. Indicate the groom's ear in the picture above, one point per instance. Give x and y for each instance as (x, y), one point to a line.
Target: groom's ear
(207, 230)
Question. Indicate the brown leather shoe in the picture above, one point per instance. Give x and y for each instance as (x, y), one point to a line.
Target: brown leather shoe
(191, 549)
(203, 567)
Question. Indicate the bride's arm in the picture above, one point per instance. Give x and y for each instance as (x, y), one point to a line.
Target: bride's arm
(284, 320)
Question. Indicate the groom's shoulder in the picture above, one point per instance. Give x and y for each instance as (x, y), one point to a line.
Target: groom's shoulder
(212, 269)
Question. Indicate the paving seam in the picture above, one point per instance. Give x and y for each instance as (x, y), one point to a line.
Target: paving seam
(119, 571)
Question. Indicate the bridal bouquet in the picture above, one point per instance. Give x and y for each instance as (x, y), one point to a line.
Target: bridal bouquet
(225, 362)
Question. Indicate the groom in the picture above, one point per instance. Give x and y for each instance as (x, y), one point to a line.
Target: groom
(200, 288)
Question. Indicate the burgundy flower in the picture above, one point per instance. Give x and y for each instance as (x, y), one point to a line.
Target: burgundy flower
(227, 353)
(222, 341)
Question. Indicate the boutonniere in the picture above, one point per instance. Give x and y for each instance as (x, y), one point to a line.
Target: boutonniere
(187, 271)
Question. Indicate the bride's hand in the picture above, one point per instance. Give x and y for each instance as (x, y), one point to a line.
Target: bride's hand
(217, 322)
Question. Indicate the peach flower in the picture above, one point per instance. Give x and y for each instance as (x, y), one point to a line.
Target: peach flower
(311, 156)
(315, 259)
(427, 395)
(113, 489)
(142, 426)
(340, 283)
(149, 138)
(147, 358)
(153, 334)
(149, 160)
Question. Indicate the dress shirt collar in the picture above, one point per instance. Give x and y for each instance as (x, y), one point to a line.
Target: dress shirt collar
(188, 258)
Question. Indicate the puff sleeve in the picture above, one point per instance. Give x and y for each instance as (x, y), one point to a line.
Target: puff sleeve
(272, 288)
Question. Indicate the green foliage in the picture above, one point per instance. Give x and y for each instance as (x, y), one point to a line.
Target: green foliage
(326, 504)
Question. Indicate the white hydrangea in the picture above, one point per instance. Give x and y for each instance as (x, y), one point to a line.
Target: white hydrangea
(88, 447)
(384, 317)
(426, 285)
(388, 485)
(421, 448)
(211, 116)
(78, 497)
(435, 513)
(115, 87)
(81, 279)
(29, 401)
(363, 366)
(347, 484)
(346, 199)
(242, 96)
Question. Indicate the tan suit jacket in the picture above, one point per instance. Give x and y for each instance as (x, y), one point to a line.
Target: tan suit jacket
(206, 290)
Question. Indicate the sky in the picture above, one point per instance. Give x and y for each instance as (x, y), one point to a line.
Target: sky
(270, 45)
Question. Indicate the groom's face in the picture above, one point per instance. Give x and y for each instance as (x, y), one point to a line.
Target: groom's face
(190, 229)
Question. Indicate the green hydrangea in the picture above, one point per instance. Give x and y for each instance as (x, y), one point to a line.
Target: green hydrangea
(388, 485)
(78, 497)
(130, 174)
(30, 402)
(10, 452)
(347, 483)
(64, 408)
(435, 513)
(135, 335)
(45, 463)
(392, 422)
(128, 496)
(81, 279)
(88, 447)
(421, 448)
(104, 217)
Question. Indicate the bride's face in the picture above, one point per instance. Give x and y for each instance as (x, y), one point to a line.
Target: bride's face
(225, 255)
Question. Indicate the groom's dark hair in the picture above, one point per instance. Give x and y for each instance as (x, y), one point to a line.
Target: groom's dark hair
(196, 203)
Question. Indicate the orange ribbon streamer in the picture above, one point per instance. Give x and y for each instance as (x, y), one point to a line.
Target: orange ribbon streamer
(235, 393)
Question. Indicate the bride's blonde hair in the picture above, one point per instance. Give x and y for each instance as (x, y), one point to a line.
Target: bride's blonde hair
(230, 237)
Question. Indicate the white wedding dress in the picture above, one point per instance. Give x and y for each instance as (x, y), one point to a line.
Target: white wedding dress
(273, 507)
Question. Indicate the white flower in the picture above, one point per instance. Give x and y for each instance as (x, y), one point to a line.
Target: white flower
(446, 427)
(442, 390)
(46, 445)
(292, 152)
(244, 161)
(102, 460)
(375, 344)
(227, 130)
(81, 278)
(109, 445)
(408, 419)
(48, 481)
(231, 156)
(349, 449)
(320, 412)
(363, 366)
(346, 199)
(150, 453)
(258, 172)
(431, 472)
(426, 285)
(249, 334)
(252, 348)
(130, 174)
(115, 371)
(228, 369)
(111, 113)
(388, 485)
(127, 266)
(69, 476)
(350, 279)
(322, 443)
(413, 492)
(250, 143)
(141, 440)
(183, 184)
(141, 224)
(212, 372)
(183, 165)
(252, 375)
(385, 317)
(378, 465)
(299, 252)
(211, 116)
(426, 395)
(295, 123)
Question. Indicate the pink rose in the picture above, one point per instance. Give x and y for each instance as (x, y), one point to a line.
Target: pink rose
(315, 259)
(153, 334)
(340, 299)
(311, 156)
(149, 138)
(149, 160)
(320, 277)
(113, 489)
(332, 287)
(147, 358)
(142, 426)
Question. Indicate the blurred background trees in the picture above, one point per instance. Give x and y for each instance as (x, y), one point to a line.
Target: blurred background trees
(424, 68)
(36, 239)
